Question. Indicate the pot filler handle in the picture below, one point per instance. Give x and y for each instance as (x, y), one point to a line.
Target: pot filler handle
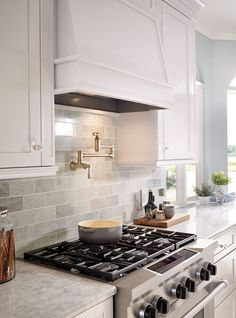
(220, 286)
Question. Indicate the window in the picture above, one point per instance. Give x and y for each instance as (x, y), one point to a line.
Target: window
(180, 182)
(231, 130)
(180, 179)
(170, 183)
(191, 180)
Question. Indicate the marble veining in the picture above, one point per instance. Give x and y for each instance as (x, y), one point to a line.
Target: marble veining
(207, 221)
(41, 292)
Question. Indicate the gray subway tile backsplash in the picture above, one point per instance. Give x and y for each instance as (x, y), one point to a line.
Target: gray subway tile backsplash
(47, 210)
(13, 203)
(33, 201)
(4, 189)
(20, 187)
(45, 185)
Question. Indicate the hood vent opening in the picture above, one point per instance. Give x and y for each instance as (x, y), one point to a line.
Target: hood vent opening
(102, 103)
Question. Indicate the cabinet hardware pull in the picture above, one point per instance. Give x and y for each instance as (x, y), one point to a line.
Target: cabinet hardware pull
(35, 146)
(224, 246)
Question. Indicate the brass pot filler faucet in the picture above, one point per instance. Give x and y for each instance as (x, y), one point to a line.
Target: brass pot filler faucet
(97, 147)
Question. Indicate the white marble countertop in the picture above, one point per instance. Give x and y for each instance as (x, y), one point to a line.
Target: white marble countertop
(41, 292)
(206, 221)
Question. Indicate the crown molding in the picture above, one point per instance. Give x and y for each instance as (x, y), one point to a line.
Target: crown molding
(203, 29)
(188, 7)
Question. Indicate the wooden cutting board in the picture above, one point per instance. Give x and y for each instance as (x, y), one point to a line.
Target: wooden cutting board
(177, 218)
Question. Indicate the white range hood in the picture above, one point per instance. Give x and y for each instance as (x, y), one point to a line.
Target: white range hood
(111, 49)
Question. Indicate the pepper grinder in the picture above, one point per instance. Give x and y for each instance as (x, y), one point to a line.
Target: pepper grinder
(161, 195)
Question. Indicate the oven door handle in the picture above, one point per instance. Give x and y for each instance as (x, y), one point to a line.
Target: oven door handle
(221, 285)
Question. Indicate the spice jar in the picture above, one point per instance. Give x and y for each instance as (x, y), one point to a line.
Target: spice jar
(160, 215)
(7, 247)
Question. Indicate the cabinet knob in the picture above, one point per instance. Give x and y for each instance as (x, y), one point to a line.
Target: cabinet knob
(36, 146)
(224, 246)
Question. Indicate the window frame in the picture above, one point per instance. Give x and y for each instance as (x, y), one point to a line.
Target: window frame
(231, 90)
(181, 189)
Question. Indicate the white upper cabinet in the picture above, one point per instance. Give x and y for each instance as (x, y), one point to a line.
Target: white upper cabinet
(166, 135)
(26, 85)
(19, 83)
(179, 50)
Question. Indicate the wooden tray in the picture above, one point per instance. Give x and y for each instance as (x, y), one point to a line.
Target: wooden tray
(177, 218)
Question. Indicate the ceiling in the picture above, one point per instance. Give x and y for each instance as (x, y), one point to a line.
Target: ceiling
(219, 16)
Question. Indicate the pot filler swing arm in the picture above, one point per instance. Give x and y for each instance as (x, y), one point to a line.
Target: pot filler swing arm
(97, 154)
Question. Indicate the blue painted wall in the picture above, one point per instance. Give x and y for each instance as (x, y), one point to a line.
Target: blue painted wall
(216, 64)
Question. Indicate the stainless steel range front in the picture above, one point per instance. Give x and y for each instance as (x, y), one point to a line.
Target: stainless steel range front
(157, 273)
(181, 284)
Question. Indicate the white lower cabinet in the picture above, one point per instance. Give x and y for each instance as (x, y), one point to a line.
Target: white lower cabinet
(226, 270)
(102, 310)
(225, 259)
(227, 308)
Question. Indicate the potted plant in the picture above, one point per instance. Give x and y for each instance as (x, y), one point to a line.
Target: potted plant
(203, 192)
(220, 180)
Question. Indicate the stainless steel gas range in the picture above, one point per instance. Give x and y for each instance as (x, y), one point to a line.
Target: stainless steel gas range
(157, 273)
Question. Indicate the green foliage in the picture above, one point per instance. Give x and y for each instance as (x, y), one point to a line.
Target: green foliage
(171, 178)
(205, 190)
(219, 178)
(232, 150)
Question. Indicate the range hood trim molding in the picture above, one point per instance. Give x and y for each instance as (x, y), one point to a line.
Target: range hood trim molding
(76, 58)
(66, 84)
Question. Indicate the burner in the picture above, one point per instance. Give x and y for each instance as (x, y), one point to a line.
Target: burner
(137, 247)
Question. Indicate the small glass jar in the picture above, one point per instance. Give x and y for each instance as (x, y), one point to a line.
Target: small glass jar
(160, 215)
(7, 247)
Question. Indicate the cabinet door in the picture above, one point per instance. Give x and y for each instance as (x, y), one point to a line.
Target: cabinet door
(102, 310)
(227, 308)
(20, 83)
(226, 270)
(178, 44)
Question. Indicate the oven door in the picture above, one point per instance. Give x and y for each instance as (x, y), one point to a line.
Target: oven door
(205, 308)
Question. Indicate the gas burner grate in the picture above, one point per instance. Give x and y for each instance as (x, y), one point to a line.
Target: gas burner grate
(137, 247)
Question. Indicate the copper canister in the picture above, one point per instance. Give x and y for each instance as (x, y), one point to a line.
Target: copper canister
(7, 247)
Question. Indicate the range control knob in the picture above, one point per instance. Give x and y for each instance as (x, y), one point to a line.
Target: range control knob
(190, 284)
(147, 311)
(203, 274)
(211, 267)
(161, 304)
(179, 291)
